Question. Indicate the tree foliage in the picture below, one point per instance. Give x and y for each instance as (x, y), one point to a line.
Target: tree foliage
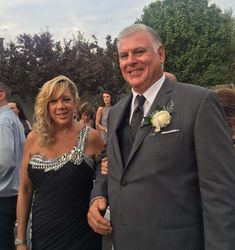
(199, 39)
(33, 60)
(200, 48)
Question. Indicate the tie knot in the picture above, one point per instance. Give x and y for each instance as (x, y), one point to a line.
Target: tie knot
(140, 99)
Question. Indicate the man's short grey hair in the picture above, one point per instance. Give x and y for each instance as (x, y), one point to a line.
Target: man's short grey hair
(4, 87)
(136, 28)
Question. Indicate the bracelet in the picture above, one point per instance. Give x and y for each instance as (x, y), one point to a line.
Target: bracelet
(20, 242)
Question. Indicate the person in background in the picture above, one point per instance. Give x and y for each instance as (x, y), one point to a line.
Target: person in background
(57, 173)
(102, 113)
(11, 149)
(227, 100)
(171, 175)
(17, 109)
(86, 115)
(170, 76)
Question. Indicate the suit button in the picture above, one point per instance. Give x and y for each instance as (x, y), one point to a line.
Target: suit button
(124, 183)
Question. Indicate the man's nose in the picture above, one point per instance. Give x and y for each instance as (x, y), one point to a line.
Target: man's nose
(131, 59)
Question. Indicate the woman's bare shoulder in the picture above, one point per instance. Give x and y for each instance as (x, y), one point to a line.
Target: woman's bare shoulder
(94, 133)
(95, 139)
(32, 136)
(100, 109)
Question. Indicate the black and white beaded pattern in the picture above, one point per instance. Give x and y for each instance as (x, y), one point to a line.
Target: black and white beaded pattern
(76, 155)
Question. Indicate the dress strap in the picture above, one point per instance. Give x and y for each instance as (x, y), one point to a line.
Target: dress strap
(82, 140)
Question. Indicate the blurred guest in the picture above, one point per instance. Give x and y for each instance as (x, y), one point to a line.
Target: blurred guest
(57, 171)
(86, 115)
(102, 115)
(170, 76)
(17, 109)
(11, 150)
(227, 100)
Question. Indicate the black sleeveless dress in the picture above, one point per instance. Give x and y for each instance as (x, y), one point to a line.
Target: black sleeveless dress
(61, 199)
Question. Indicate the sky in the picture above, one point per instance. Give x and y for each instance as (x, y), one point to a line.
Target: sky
(64, 18)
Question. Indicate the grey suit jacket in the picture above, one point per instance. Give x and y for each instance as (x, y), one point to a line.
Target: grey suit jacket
(177, 190)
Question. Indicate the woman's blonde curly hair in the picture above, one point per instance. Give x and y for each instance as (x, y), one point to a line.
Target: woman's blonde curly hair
(44, 125)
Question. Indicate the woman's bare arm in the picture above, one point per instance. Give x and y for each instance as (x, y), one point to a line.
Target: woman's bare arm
(25, 191)
(98, 124)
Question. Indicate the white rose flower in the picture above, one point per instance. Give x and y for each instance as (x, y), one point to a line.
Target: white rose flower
(155, 124)
(160, 120)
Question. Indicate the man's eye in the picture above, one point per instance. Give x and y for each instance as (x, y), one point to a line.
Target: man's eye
(139, 52)
(123, 56)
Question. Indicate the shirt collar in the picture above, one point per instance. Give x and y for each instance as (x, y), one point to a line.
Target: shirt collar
(151, 92)
(4, 107)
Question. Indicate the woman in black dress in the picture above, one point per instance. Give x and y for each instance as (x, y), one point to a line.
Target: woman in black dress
(57, 173)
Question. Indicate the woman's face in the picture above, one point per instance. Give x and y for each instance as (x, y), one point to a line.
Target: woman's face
(106, 98)
(13, 107)
(62, 107)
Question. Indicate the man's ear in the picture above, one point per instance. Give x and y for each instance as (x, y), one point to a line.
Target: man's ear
(161, 52)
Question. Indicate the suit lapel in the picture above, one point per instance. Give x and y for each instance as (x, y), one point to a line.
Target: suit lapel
(162, 99)
(116, 123)
(122, 111)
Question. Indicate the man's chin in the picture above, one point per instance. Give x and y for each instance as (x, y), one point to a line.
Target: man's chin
(135, 84)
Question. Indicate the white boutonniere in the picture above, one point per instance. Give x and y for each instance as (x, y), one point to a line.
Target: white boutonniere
(161, 117)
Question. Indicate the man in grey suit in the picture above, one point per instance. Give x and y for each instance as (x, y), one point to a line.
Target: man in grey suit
(171, 184)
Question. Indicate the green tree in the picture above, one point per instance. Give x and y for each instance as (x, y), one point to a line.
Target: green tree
(33, 60)
(30, 62)
(94, 68)
(111, 78)
(198, 38)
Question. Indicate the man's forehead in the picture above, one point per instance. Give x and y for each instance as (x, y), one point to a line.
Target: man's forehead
(135, 41)
(132, 48)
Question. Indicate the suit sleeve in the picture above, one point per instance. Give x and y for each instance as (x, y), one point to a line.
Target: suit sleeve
(216, 168)
(100, 183)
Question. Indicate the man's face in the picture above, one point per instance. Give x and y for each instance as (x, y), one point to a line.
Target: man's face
(140, 62)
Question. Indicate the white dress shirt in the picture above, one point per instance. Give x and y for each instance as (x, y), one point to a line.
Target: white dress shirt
(149, 95)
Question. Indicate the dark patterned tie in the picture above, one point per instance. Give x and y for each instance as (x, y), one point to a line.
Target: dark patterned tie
(138, 115)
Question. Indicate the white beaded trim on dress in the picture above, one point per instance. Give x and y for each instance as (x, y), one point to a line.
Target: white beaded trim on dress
(76, 155)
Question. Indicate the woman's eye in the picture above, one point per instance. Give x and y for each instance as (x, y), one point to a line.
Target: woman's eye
(67, 99)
